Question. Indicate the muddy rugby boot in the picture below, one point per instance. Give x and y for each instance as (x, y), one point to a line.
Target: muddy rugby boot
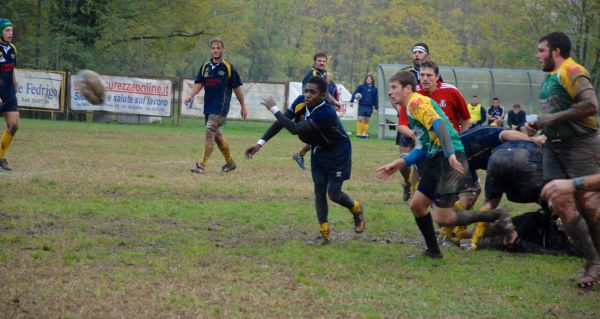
(359, 220)
(4, 165)
(198, 168)
(228, 167)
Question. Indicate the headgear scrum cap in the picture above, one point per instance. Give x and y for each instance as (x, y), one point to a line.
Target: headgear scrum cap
(4, 23)
(420, 47)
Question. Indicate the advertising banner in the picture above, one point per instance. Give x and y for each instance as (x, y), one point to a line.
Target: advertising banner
(127, 95)
(254, 93)
(40, 89)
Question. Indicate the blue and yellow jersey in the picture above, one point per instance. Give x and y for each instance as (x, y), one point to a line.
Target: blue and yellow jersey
(329, 128)
(558, 93)
(314, 72)
(422, 111)
(219, 80)
(8, 62)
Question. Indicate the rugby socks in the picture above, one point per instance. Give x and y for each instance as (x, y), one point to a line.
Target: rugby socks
(480, 229)
(304, 150)
(595, 235)
(578, 230)
(425, 224)
(365, 129)
(478, 233)
(459, 231)
(206, 154)
(324, 230)
(358, 128)
(445, 232)
(5, 143)
(224, 148)
(355, 209)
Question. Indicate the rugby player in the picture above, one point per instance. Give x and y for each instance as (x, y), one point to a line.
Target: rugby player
(444, 164)
(316, 123)
(8, 89)
(569, 118)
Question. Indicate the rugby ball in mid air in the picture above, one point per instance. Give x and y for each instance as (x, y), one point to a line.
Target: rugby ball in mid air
(92, 87)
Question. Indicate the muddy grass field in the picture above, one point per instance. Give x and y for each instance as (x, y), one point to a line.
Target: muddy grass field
(106, 221)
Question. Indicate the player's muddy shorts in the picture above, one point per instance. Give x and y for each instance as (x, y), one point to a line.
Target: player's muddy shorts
(214, 122)
(570, 158)
(439, 181)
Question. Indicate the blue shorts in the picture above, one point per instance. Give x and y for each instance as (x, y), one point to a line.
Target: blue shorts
(439, 181)
(334, 162)
(403, 141)
(9, 105)
(364, 110)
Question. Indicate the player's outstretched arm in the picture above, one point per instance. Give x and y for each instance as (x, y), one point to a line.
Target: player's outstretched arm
(295, 128)
(273, 130)
(250, 151)
(512, 135)
(384, 172)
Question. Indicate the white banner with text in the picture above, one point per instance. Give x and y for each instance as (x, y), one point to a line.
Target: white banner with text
(254, 94)
(127, 95)
(40, 89)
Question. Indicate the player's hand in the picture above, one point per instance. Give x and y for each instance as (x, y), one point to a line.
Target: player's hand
(531, 127)
(0, 101)
(268, 103)
(558, 187)
(187, 99)
(244, 112)
(455, 164)
(252, 150)
(539, 140)
(384, 172)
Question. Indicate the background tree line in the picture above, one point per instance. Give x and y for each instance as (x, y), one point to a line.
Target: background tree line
(274, 40)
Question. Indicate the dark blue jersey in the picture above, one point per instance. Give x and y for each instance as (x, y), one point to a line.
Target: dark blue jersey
(8, 62)
(333, 91)
(219, 80)
(495, 112)
(517, 119)
(368, 95)
(479, 142)
(329, 128)
(314, 72)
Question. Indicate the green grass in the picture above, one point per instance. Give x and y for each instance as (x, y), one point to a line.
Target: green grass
(106, 221)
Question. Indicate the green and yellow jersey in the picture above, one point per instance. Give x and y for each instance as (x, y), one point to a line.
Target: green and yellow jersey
(558, 93)
(422, 112)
